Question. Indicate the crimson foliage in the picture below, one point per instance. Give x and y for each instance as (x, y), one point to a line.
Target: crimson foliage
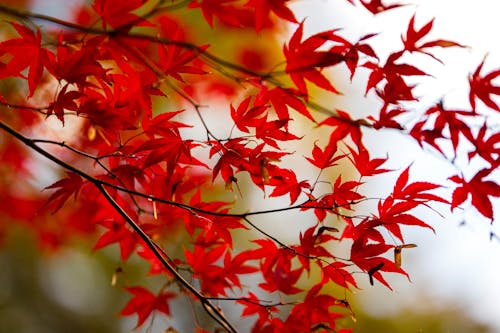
(128, 82)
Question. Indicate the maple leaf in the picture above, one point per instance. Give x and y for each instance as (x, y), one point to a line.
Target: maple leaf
(137, 88)
(279, 276)
(395, 88)
(336, 273)
(65, 100)
(326, 158)
(282, 99)
(428, 136)
(245, 116)
(376, 6)
(311, 242)
(175, 59)
(445, 120)
(352, 52)
(479, 189)
(481, 87)
(344, 193)
(231, 154)
(342, 196)
(276, 267)
(252, 306)
(487, 148)
(170, 148)
(26, 52)
(270, 131)
(214, 279)
(214, 226)
(344, 126)
(78, 65)
(117, 232)
(286, 183)
(362, 162)
(162, 125)
(303, 59)
(263, 8)
(413, 36)
(314, 313)
(393, 211)
(144, 302)
(118, 13)
(224, 11)
(386, 118)
(415, 192)
(368, 258)
(157, 267)
(66, 187)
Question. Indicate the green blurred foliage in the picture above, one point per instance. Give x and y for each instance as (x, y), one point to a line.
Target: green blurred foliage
(32, 301)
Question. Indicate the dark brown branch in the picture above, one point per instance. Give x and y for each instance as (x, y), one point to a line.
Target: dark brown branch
(215, 313)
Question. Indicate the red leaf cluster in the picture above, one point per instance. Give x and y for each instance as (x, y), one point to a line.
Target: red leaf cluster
(172, 137)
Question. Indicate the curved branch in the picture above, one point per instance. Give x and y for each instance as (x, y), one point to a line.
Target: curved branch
(211, 309)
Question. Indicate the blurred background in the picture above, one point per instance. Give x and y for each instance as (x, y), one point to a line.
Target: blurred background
(455, 273)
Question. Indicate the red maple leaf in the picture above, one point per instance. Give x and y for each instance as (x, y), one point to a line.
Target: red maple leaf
(118, 232)
(376, 6)
(65, 101)
(326, 158)
(224, 11)
(118, 13)
(304, 61)
(452, 121)
(282, 99)
(25, 52)
(247, 115)
(175, 59)
(344, 126)
(368, 257)
(252, 306)
(386, 118)
(285, 182)
(314, 314)
(66, 187)
(362, 162)
(77, 65)
(312, 244)
(414, 192)
(482, 87)
(214, 278)
(487, 148)
(395, 89)
(263, 8)
(479, 189)
(336, 273)
(144, 302)
(414, 36)
(276, 267)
